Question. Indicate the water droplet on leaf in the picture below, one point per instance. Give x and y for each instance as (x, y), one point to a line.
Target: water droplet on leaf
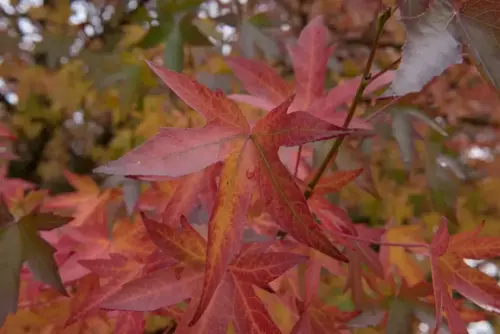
(250, 173)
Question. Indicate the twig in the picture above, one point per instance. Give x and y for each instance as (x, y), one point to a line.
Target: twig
(365, 80)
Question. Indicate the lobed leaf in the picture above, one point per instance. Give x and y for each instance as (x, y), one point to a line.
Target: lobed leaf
(185, 244)
(226, 224)
(250, 314)
(158, 289)
(260, 80)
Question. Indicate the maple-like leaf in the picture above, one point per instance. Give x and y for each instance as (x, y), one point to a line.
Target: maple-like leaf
(130, 322)
(449, 271)
(257, 264)
(430, 47)
(480, 31)
(119, 268)
(260, 80)
(309, 57)
(20, 240)
(250, 155)
(398, 259)
(185, 195)
(435, 30)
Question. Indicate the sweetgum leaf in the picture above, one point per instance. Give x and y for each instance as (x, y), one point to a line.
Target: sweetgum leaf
(250, 314)
(10, 268)
(250, 157)
(310, 57)
(39, 256)
(260, 80)
(169, 289)
(480, 31)
(185, 244)
(130, 322)
(174, 46)
(400, 317)
(430, 47)
(19, 240)
(226, 225)
(175, 151)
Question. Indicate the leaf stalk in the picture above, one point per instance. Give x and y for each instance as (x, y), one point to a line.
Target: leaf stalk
(365, 81)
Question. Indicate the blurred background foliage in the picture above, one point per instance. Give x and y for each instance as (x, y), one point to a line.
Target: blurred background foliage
(76, 91)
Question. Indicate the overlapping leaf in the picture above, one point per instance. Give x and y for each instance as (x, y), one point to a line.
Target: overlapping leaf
(255, 265)
(309, 57)
(249, 155)
(20, 242)
(449, 271)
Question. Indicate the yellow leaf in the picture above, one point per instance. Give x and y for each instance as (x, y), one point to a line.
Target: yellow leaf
(133, 34)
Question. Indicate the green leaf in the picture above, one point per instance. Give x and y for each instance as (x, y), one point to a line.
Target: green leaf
(403, 132)
(19, 242)
(11, 263)
(251, 37)
(260, 20)
(44, 221)
(40, 258)
(192, 34)
(400, 318)
(174, 47)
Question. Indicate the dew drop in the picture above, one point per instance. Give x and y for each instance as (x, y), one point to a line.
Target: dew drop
(250, 173)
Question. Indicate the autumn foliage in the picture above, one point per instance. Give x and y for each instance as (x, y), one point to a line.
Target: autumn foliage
(233, 221)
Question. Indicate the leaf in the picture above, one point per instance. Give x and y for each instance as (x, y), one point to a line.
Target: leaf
(20, 240)
(185, 245)
(400, 318)
(251, 37)
(189, 150)
(310, 57)
(218, 315)
(174, 46)
(260, 80)
(282, 197)
(399, 258)
(430, 47)
(335, 181)
(404, 133)
(169, 289)
(480, 31)
(250, 314)
(250, 157)
(225, 228)
(450, 271)
(121, 271)
(264, 267)
(11, 269)
(186, 194)
(130, 323)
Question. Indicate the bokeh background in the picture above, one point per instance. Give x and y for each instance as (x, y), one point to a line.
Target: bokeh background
(76, 92)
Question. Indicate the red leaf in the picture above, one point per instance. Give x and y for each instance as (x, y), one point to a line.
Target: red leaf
(264, 267)
(226, 224)
(219, 312)
(125, 272)
(130, 323)
(250, 314)
(335, 181)
(185, 245)
(439, 243)
(158, 289)
(176, 152)
(282, 197)
(260, 80)
(310, 57)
